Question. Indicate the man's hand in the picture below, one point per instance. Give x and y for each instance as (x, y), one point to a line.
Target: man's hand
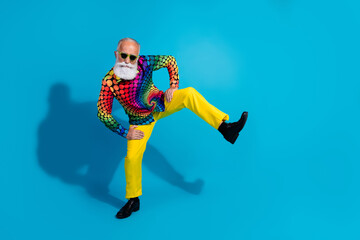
(169, 93)
(134, 134)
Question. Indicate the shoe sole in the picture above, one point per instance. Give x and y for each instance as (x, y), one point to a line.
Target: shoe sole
(135, 210)
(244, 116)
(234, 136)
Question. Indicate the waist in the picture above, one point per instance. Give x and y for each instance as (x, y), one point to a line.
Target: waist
(141, 120)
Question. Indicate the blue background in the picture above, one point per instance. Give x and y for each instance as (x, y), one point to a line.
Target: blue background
(292, 174)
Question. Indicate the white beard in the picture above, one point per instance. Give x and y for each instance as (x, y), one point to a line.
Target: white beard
(125, 71)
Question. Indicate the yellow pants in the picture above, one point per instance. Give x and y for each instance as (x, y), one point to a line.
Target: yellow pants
(182, 98)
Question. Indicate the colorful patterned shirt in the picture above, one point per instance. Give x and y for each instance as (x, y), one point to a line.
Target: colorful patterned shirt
(139, 97)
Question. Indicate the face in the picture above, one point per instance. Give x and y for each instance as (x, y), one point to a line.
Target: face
(126, 68)
(128, 47)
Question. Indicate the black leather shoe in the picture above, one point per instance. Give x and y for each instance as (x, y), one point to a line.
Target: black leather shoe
(230, 131)
(132, 205)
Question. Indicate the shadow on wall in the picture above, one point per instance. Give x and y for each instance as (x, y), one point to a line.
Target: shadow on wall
(76, 147)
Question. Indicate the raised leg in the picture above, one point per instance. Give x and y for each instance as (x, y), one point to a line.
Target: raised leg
(190, 98)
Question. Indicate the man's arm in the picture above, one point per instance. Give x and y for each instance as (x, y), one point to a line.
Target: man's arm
(160, 61)
(104, 106)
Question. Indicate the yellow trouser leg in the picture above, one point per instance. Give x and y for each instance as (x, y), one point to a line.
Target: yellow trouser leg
(193, 100)
(182, 98)
(133, 159)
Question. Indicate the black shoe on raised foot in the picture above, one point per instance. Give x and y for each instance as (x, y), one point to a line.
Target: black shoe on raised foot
(132, 205)
(230, 131)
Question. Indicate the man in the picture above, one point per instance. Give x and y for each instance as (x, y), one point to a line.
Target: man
(130, 82)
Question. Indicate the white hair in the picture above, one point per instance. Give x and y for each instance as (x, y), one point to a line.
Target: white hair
(127, 39)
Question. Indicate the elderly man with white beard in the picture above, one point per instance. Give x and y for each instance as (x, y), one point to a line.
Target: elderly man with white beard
(130, 82)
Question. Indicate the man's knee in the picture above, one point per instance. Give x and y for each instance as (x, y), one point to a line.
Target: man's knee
(190, 91)
(189, 96)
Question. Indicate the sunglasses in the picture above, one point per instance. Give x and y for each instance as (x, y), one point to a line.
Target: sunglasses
(125, 55)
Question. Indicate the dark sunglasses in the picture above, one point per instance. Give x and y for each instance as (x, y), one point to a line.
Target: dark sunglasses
(125, 55)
